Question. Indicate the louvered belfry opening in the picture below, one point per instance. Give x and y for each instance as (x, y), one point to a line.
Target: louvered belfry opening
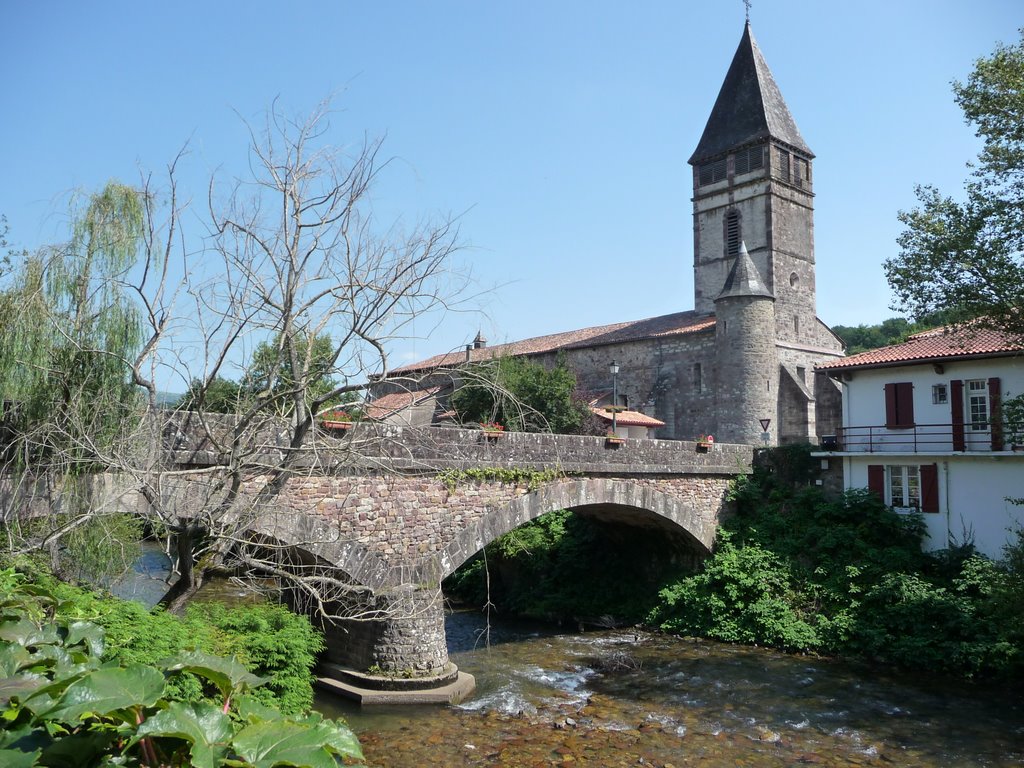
(733, 233)
(748, 159)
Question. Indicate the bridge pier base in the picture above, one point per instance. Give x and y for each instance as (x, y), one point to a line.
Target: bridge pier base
(401, 657)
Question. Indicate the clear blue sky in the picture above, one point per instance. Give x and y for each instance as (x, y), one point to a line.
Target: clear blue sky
(558, 130)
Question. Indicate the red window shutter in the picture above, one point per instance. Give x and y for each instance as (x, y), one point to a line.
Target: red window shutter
(905, 404)
(876, 480)
(929, 488)
(995, 404)
(899, 405)
(891, 420)
(956, 409)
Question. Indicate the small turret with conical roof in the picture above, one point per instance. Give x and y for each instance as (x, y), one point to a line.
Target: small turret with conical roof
(747, 361)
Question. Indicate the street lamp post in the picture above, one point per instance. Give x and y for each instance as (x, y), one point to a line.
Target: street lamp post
(613, 369)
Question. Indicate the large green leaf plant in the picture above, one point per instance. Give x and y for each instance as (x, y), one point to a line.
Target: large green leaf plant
(62, 707)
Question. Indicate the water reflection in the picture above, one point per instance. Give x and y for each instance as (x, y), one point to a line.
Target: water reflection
(146, 580)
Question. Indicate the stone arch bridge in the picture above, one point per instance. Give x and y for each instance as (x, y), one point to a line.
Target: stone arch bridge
(409, 506)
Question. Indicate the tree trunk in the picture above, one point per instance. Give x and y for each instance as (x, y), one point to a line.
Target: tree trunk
(191, 575)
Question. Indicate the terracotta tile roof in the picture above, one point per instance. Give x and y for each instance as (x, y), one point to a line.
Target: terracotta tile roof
(946, 343)
(628, 418)
(676, 324)
(385, 405)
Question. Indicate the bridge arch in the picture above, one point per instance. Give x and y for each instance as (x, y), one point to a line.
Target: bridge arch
(633, 501)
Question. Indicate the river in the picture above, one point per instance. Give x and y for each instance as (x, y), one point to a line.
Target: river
(629, 698)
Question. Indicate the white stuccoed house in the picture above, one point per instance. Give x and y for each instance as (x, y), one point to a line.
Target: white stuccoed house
(924, 427)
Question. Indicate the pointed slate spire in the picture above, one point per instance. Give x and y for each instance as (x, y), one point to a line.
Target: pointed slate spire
(749, 107)
(744, 279)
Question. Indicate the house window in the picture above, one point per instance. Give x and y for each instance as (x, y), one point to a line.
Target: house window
(906, 487)
(940, 395)
(709, 173)
(977, 404)
(903, 486)
(732, 233)
(899, 405)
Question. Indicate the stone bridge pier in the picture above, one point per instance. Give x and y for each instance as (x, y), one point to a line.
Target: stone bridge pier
(392, 537)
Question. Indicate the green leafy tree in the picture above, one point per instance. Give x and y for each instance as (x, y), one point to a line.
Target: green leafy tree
(966, 256)
(216, 396)
(523, 396)
(286, 364)
(66, 359)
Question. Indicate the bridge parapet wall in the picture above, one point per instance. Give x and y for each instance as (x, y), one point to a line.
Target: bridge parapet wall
(438, 448)
(368, 445)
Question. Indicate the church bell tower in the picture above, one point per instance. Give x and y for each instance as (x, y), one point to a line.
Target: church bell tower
(752, 184)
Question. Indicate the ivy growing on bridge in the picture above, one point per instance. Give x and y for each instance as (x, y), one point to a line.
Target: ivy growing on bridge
(533, 478)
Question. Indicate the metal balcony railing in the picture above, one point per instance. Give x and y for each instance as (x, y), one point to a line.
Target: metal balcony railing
(919, 438)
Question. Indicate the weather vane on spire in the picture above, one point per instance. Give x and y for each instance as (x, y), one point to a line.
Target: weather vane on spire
(747, 4)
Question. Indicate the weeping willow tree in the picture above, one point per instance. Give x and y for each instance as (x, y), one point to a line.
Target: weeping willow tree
(69, 337)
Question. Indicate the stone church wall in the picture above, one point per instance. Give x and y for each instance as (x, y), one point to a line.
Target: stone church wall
(671, 379)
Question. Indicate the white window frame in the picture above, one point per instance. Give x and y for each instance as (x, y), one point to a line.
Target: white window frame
(976, 403)
(940, 394)
(903, 487)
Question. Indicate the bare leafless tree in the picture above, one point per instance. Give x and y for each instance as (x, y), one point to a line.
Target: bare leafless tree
(292, 255)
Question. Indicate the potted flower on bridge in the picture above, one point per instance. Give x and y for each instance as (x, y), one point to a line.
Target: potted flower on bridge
(705, 443)
(492, 430)
(613, 439)
(336, 419)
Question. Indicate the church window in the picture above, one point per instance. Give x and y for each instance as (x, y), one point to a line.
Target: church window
(784, 165)
(794, 279)
(732, 233)
(801, 373)
(711, 172)
(698, 377)
(748, 159)
(796, 325)
(801, 172)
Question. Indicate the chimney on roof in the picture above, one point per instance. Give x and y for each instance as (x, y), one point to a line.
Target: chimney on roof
(479, 342)
(469, 352)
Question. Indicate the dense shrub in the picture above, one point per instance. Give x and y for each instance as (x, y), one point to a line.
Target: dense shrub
(65, 704)
(743, 595)
(795, 569)
(269, 640)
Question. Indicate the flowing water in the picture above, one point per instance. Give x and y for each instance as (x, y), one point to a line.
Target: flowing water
(632, 698)
(628, 698)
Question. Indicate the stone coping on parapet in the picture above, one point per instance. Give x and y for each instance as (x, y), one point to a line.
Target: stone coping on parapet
(409, 449)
